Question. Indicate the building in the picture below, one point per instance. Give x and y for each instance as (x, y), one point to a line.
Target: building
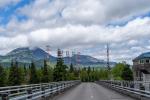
(141, 67)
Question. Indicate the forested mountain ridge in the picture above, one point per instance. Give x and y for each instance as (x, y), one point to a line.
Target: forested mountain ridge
(26, 56)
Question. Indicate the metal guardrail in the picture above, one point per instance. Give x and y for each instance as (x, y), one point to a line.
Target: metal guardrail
(135, 89)
(35, 91)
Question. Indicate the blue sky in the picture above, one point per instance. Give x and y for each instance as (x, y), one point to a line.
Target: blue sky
(78, 25)
(9, 10)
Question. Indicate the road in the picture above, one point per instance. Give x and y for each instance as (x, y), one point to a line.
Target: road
(91, 91)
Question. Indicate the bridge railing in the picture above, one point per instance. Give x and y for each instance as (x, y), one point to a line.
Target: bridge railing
(136, 89)
(35, 91)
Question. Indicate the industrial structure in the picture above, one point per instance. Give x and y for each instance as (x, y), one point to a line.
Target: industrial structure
(68, 58)
(59, 53)
(141, 67)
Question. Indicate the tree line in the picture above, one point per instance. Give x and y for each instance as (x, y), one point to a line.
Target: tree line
(17, 75)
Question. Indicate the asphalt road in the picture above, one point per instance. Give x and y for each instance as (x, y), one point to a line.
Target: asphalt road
(91, 91)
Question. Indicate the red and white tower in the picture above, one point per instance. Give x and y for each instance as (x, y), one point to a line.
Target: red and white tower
(59, 53)
(68, 57)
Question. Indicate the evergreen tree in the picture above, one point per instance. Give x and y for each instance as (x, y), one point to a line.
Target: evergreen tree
(2, 76)
(71, 73)
(89, 70)
(40, 74)
(77, 73)
(84, 75)
(45, 74)
(71, 68)
(50, 71)
(15, 77)
(89, 73)
(33, 74)
(26, 74)
(25, 70)
(60, 71)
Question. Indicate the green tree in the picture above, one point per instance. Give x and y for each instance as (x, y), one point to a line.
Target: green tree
(39, 72)
(15, 76)
(103, 74)
(94, 75)
(71, 76)
(71, 68)
(25, 72)
(2, 76)
(50, 71)
(77, 72)
(127, 73)
(117, 71)
(33, 74)
(89, 73)
(60, 71)
(84, 75)
(45, 74)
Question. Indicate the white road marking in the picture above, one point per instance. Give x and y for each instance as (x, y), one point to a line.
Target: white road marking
(91, 92)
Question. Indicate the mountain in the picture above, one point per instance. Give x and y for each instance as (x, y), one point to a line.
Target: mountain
(26, 55)
(83, 60)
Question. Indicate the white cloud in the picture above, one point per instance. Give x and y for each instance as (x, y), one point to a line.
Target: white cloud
(86, 12)
(84, 37)
(81, 24)
(13, 42)
(6, 2)
(103, 11)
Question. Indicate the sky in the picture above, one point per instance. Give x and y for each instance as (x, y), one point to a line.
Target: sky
(84, 26)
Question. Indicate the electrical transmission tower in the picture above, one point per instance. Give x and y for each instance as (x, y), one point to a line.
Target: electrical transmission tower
(78, 58)
(108, 64)
(68, 57)
(72, 58)
(59, 53)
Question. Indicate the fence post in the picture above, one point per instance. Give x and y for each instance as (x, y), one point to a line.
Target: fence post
(29, 91)
(4, 96)
(64, 87)
(43, 91)
(61, 87)
(51, 87)
(57, 85)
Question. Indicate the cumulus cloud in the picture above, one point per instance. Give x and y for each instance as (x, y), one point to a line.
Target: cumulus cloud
(84, 36)
(139, 28)
(13, 42)
(86, 11)
(81, 24)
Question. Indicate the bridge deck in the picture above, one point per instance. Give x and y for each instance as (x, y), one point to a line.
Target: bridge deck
(91, 91)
